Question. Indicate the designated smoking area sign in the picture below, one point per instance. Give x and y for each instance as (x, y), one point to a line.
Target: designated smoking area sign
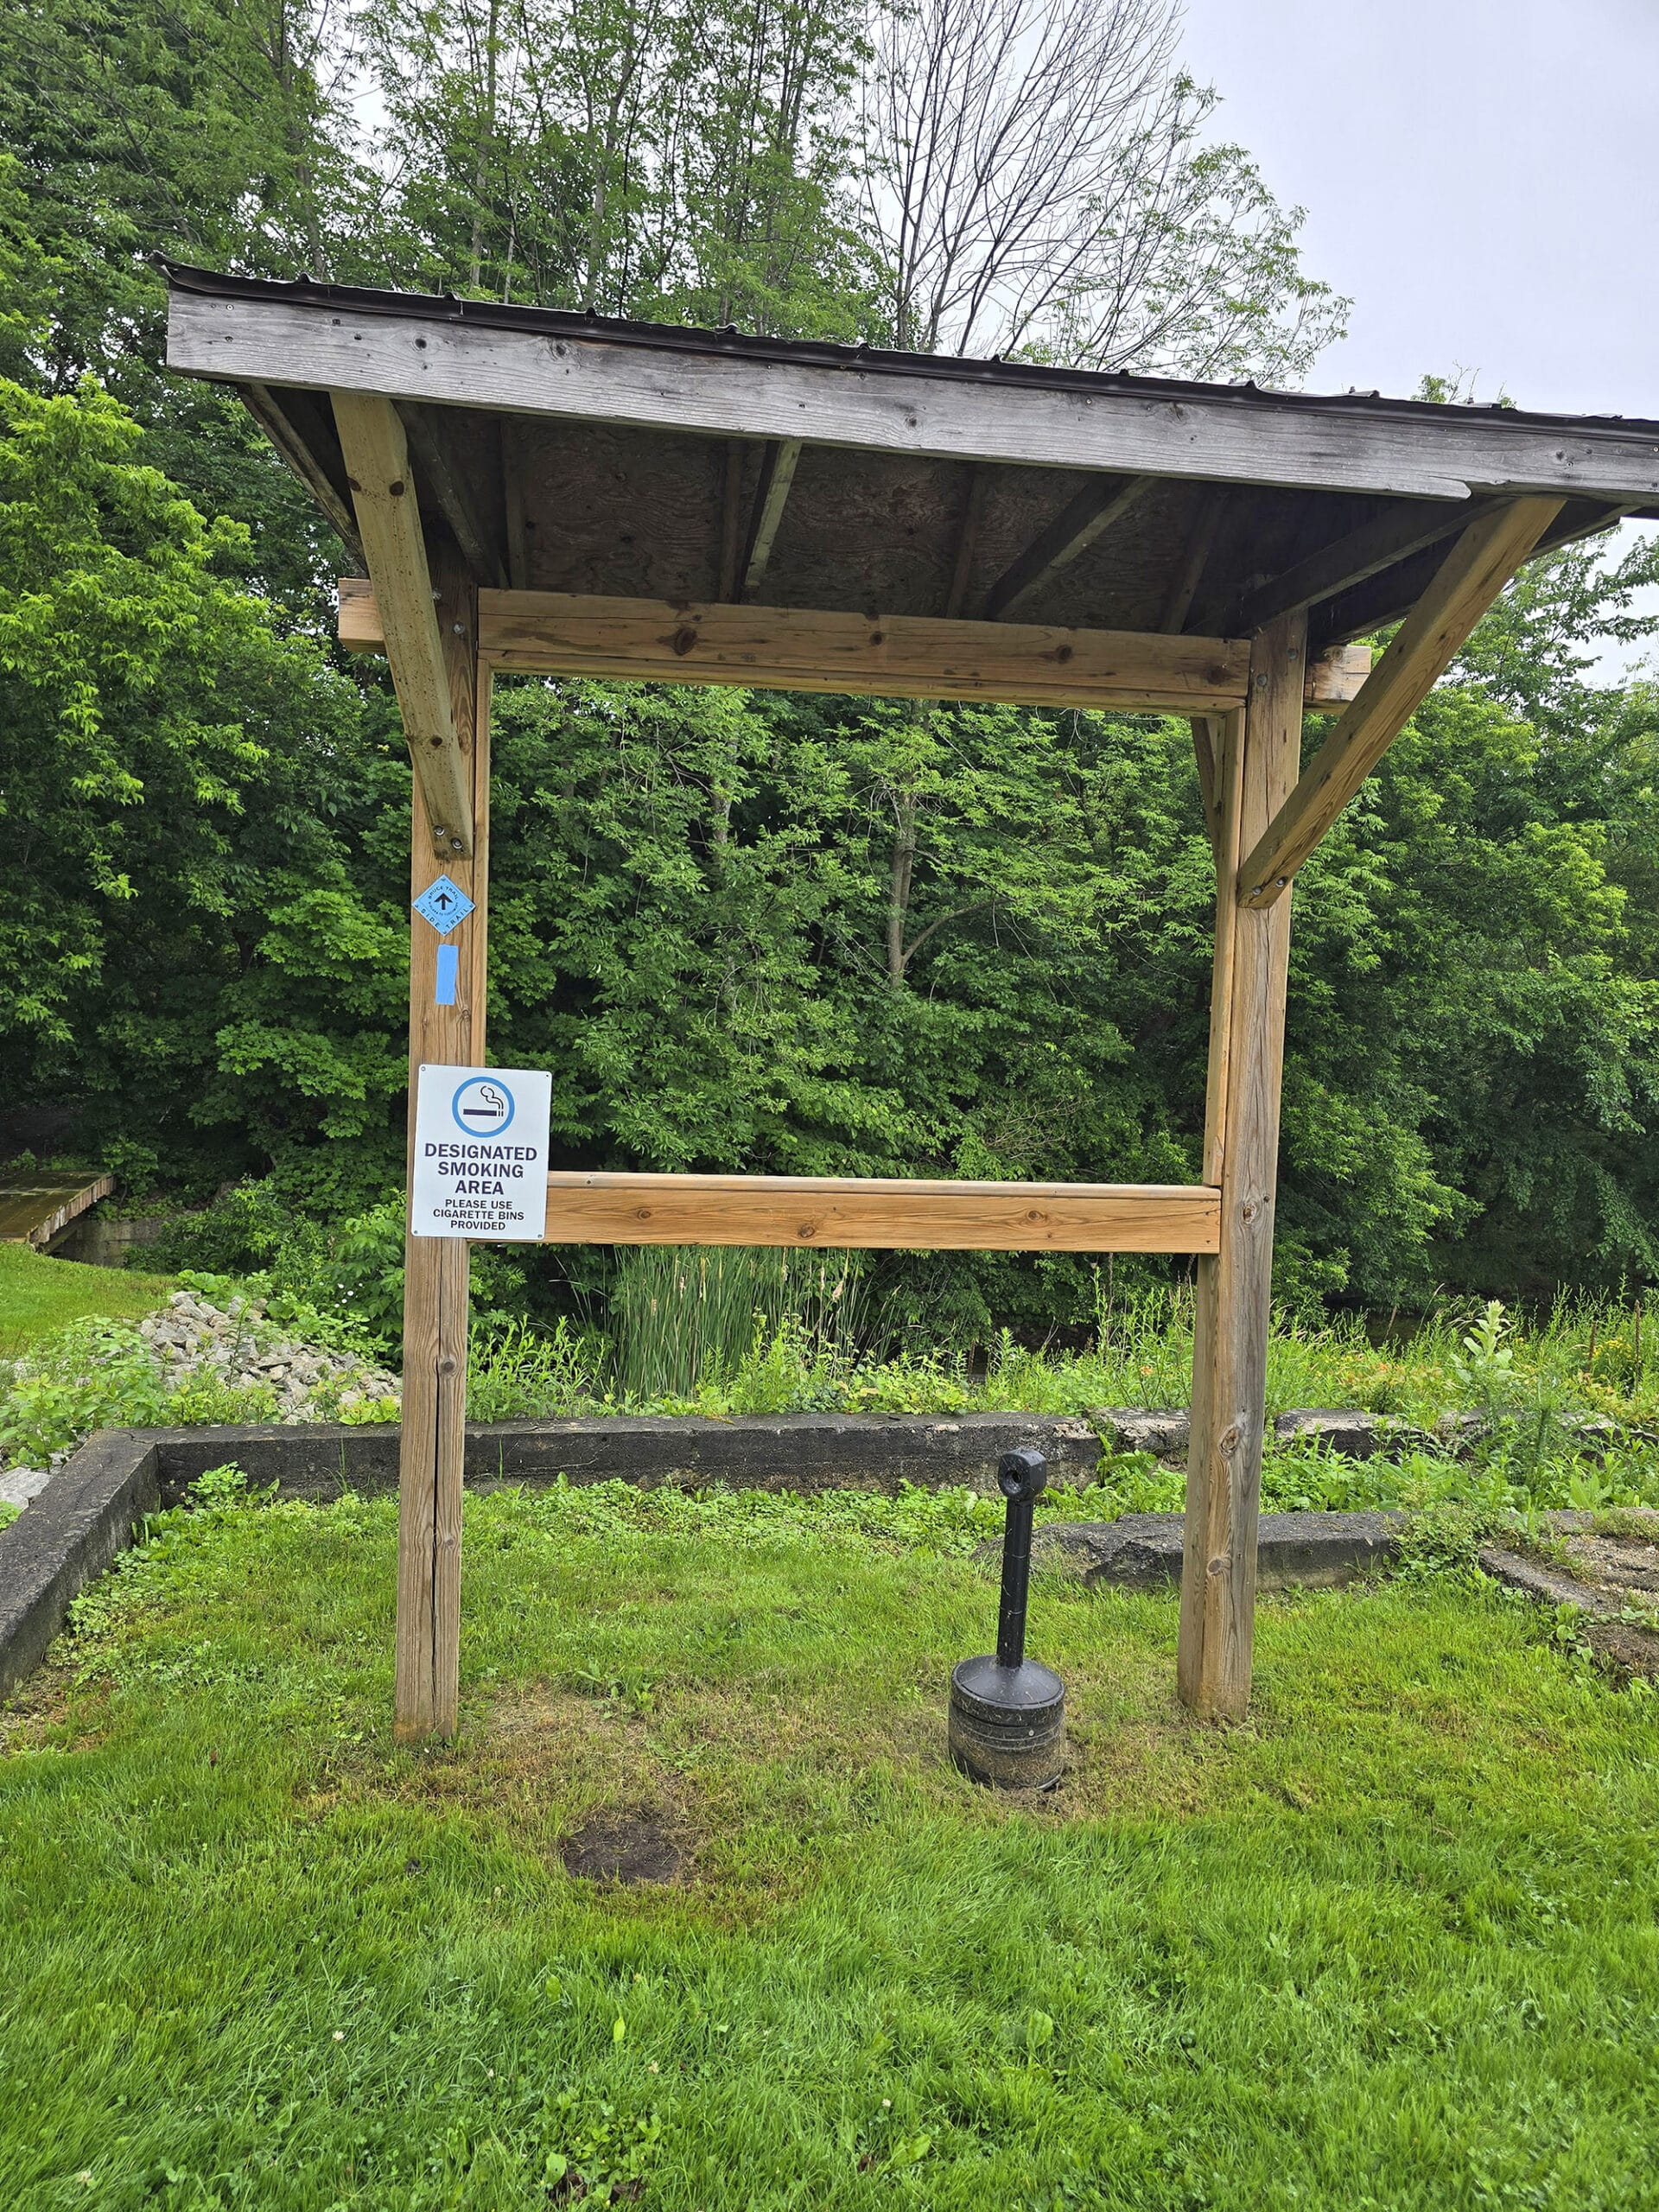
(481, 1153)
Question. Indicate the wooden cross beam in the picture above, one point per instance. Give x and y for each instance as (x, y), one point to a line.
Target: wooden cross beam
(871, 1214)
(1469, 580)
(891, 657)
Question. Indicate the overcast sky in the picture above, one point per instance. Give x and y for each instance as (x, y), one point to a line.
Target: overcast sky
(1481, 176)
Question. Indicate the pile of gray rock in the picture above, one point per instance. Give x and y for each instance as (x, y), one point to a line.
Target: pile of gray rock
(191, 1340)
(237, 1345)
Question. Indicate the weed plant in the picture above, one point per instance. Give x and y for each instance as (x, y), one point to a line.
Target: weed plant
(749, 1332)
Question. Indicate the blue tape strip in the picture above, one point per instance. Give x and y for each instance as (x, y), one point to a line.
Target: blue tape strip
(448, 967)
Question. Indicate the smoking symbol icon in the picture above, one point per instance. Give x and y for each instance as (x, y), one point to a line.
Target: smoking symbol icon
(483, 1106)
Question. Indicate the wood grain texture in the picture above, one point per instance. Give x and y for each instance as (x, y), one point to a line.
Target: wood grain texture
(1221, 436)
(795, 649)
(774, 648)
(275, 417)
(1472, 575)
(1235, 1285)
(1393, 536)
(776, 475)
(372, 437)
(427, 1690)
(1335, 680)
(449, 482)
(1089, 515)
(872, 1215)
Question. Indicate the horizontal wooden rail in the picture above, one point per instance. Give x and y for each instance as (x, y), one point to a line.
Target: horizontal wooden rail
(900, 655)
(871, 1215)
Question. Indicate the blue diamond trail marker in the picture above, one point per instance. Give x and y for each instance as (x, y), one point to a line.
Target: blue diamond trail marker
(444, 904)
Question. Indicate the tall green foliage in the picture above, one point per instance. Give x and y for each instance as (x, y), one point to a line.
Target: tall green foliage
(791, 934)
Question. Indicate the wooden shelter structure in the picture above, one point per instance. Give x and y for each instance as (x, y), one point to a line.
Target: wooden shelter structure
(529, 489)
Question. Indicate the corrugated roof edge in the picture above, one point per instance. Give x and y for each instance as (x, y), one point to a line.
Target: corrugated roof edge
(304, 291)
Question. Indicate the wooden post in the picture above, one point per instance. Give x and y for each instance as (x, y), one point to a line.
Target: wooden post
(1259, 759)
(427, 1696)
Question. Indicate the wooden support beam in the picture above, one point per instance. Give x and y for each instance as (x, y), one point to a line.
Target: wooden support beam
(277, 418)
(1195, 557)
(885, 657)
(1083, 519)
(1226, 746)
(776, 475)
(1469, 579)
(1234, 1284)
(449, 489)
(870, 1214)
(445, 1029)
(383, 492)
(1207, 731)
(798, 649)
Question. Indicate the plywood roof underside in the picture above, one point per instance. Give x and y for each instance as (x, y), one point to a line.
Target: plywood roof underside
(559, 500)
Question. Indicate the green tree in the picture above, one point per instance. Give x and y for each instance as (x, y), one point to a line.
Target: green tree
(192, 965)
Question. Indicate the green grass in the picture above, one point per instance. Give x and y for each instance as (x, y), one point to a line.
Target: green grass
(38, 1296)
(1392, 1944)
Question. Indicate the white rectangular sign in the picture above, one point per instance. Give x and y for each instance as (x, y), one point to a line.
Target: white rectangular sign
(481, 1153)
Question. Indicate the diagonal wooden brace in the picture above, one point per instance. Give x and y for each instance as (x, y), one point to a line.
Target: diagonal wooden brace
(372, 439)
(1468, 580)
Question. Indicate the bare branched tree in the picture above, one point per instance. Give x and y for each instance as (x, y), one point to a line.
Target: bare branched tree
(1034, 185)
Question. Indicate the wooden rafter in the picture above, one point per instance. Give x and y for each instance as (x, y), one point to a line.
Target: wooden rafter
(863, 1214)
(371, 438)
(1390, 596)
(277, 418)
(1348, 560)
(1195, 556)
(1082, 519)
(513, 504)
(962, 565)
(449, 487)
(731, 518)
(776, 475)
(1469, 579)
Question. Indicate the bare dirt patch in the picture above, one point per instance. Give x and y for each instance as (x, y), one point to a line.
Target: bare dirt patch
(639, 1847)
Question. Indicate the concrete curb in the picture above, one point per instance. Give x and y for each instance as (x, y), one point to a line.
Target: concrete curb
(88, 1512)
(1142, 1551)
(799, 1453)
(1630, 1648)
(72, 1531)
